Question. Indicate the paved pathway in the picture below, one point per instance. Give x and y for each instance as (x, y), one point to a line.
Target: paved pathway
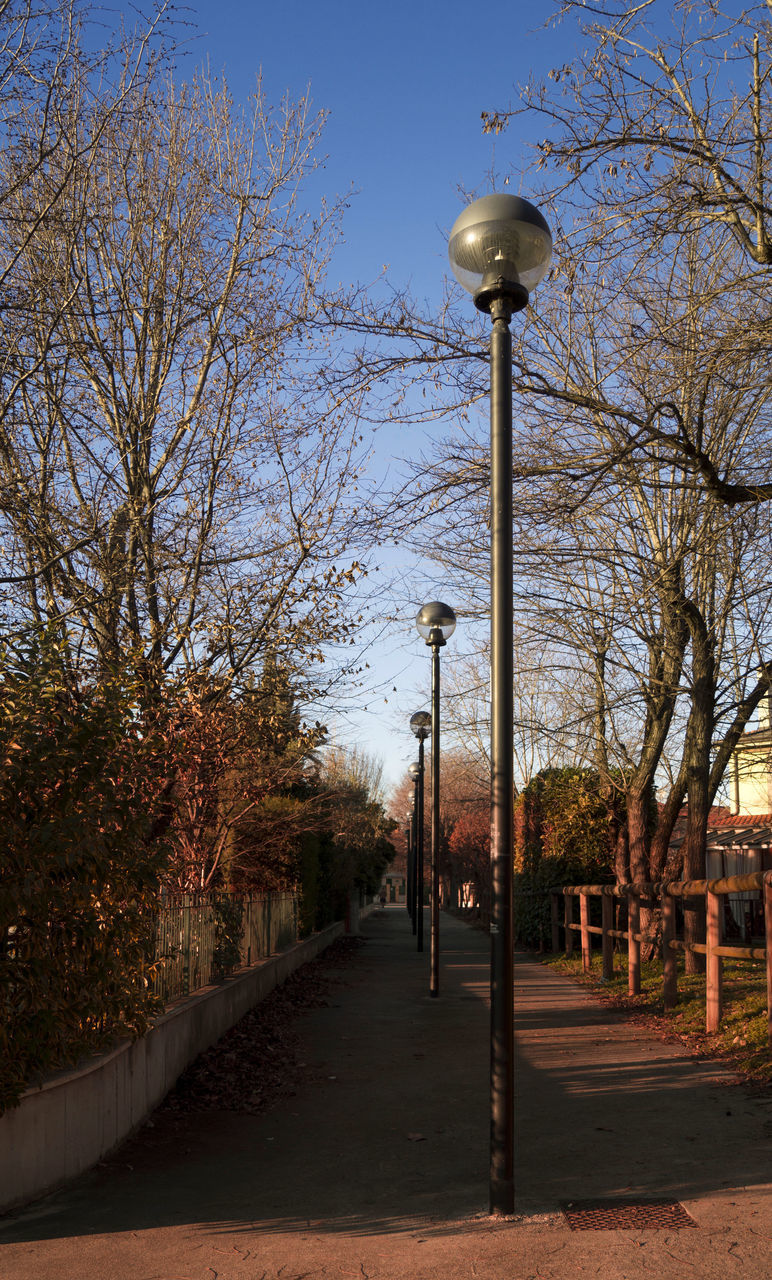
(378, 1166)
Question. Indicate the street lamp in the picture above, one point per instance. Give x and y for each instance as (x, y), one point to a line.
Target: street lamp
(410, 854)
(435, 622)
(415, 770)
(418, 863)
(500, 248)
(420, 723)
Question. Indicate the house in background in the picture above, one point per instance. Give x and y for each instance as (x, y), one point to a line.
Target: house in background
(740, 838)
(737, 845)
(394, 884)
(751, 767)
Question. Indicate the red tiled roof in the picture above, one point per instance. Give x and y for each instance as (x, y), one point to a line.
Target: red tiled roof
(726, 819)
(720, 816)
(727, 830)
(718, 811)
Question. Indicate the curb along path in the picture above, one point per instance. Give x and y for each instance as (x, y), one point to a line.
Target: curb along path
(377, 1165)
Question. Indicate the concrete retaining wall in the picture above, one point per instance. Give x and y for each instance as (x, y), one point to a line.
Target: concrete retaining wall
(77, 1117)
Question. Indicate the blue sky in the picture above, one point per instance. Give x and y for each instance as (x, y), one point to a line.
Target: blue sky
(404, 85)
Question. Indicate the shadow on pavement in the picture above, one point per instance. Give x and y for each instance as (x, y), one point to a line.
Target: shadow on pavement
(388, 1133)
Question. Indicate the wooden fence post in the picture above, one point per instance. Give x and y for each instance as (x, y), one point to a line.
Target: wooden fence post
(555, 922)
(633, 944)
(669, 960)
(714, 964)
(584, 916)
(569, 912)
(607, 924)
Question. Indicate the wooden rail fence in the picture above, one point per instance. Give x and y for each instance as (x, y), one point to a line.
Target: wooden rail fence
(664, 896)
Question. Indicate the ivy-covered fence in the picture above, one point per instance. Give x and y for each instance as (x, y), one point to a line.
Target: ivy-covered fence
(77, 976)
(202, 938)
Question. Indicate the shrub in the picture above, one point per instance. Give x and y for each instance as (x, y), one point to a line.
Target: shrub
(563, 824)
(229, 930)
(78, 788)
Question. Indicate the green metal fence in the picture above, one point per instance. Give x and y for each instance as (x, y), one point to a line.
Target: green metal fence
(193, 932)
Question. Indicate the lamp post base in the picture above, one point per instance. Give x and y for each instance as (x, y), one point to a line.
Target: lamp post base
(502, 1194)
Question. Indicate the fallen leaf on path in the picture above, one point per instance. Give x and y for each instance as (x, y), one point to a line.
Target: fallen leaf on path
(258, 1062)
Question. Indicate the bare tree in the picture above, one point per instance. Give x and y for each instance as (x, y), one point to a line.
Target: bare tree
(632, 575)
(175, 487)
(659, 131)
(47, 81)
(550, 691)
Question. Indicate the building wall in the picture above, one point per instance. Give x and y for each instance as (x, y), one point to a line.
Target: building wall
(395, 886)
(752, 775)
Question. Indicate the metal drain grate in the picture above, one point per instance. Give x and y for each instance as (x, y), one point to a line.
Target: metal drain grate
(626, 1215)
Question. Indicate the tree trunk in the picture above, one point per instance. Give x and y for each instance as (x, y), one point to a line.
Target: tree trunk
(695, 863)
(668, 815)
(637, 831)
(622, 856)
(699, 732)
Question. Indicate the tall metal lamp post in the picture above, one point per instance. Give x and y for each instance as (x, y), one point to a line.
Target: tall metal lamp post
(435, 622)
(415, 770)
(500, 248)
(420, 723)
(410, 854)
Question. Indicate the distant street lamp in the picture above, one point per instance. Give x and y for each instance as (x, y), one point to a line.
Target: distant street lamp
(500, 248)
(435, 622)
(420, 723)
